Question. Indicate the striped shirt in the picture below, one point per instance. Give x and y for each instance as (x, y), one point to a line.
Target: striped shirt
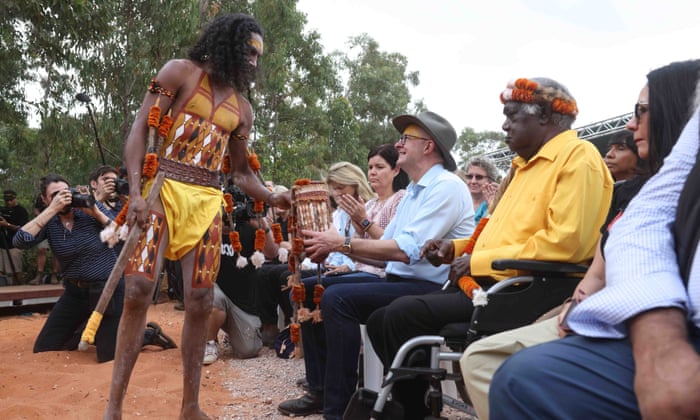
(641, 267)
(80, 253)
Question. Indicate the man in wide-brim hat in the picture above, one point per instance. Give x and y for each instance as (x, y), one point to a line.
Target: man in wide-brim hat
(437, 204)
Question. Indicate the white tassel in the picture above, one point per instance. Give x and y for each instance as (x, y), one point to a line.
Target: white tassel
(109, 236)
(123, 232)
(481, 298)
(258, 259)
(283, 255)
(241, 261)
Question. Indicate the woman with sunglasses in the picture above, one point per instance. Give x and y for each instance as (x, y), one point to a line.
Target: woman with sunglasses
(664, 106)
(482, 179)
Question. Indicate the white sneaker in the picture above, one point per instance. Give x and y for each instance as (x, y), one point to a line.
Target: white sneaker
(211, 352)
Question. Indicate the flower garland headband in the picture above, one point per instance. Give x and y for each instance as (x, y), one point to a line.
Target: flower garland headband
(529, 92)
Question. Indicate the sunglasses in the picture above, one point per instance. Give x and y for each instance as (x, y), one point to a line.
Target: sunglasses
(405, 137)
(640, 108)
(477, 177)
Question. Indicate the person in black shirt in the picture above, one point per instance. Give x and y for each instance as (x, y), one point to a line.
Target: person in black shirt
(12, 217)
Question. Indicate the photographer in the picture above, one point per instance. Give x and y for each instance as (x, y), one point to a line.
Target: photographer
(107, 188)
(72, 222)
(12, 217)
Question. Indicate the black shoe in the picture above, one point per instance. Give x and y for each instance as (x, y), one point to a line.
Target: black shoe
(310, 403)
(154, 335)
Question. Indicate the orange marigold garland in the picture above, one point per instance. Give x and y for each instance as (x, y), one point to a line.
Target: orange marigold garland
(466, 283)
(277, 233)
(165, 124)
(226, 164)
(258, 258)
(295, 332)
(154, 116)
(254, 162)
(468, 286)
(150, 165)
(531, 92)
(228, 202)
(258, 206)
(235, 239)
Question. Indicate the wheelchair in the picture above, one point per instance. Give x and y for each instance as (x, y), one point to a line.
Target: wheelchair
(508, 304)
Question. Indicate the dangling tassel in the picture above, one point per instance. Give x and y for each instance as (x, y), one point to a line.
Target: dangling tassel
(316, 313)
(283, 255)
(242, 261)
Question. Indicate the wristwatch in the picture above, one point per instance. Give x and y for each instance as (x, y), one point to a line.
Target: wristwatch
(365, 224)
(347, 248)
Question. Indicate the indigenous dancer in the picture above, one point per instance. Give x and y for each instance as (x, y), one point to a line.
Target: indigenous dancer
(211, 122)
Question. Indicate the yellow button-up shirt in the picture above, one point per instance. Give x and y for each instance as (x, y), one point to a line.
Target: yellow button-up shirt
(551, 211)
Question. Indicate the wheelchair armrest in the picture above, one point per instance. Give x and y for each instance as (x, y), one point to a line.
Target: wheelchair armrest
(539, 267)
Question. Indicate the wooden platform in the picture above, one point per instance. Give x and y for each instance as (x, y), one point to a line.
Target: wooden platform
(30, 292)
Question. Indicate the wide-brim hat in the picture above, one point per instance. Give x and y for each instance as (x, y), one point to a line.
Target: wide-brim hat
(439, 129)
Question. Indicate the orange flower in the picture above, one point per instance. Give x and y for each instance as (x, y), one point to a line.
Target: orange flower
(562, 106)
(468, 286)
(298, 293)
(318, 293)
(297, 246)
(235, 239)
(228, 199)
(154, 116)
(150, 165)
(277, 233)
(291, 263)
(258, 206)
(295, 332)
(253, 162)
(226, 164)
(526, 84)
(259, 239)
(303, 181)
(165, 125)
(121, 217)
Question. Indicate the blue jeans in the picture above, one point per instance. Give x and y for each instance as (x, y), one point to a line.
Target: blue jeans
(332, 348)
(575, 377)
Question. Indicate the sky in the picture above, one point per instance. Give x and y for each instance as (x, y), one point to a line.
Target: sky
(466, 51)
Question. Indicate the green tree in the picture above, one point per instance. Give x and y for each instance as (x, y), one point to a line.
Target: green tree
(377, 89)
(471, 143)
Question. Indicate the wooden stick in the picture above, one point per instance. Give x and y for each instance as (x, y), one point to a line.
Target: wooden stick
(88, 336)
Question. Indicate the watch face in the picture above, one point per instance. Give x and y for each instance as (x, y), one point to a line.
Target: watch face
(365, 223)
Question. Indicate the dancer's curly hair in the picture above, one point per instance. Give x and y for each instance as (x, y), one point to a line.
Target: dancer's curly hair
(224, 45)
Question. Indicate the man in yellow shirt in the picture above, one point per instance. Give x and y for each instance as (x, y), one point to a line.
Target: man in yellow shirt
(557, 196)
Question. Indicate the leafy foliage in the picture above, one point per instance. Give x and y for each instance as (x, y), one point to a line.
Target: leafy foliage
(471, 143)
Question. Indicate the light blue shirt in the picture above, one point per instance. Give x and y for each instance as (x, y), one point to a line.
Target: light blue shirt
(341, 221)
(641, 265)
(438, 206)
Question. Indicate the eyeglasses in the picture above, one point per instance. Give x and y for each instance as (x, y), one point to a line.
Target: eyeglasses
(640, 108)
(402, 140)
(477, 177)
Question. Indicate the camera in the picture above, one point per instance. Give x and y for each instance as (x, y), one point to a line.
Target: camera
(80, 199)
(243, 205)
(121, 186)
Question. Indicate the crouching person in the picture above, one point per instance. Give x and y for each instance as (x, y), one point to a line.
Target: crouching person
(234, 310)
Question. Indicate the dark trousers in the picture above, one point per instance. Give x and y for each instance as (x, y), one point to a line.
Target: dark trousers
(69, 316)
(271, 291)
(411, 316)
(332, 348)
(575, 377)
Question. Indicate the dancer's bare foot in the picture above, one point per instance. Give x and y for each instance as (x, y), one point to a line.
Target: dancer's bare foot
(193, 414)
